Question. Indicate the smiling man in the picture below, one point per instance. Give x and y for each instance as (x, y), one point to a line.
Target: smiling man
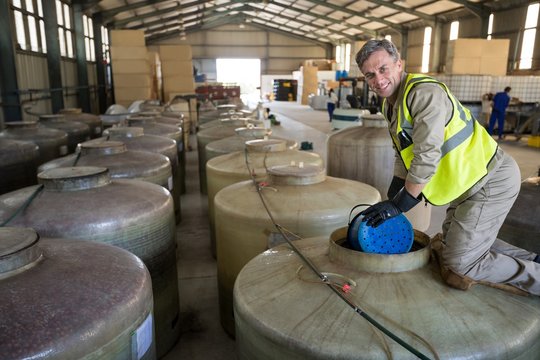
(445, 156)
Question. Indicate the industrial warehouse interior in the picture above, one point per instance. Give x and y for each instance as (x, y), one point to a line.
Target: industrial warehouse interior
(278, 179)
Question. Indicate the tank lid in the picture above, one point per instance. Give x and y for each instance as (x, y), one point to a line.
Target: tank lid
(52, 117)
(74, 178)
(71, 111)
(296, 174)
(266, 145)
(102, 148)
(21, 124)
(125, 131)
(147, 113)
(18, 249)
(374, 120)
(379, 263)
(141, 120)
(253, 131)
(234, 122)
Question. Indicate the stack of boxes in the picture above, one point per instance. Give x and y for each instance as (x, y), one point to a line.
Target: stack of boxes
(131, 71)
(177, 70)
(178, 79)
(308, 83)
(477, 56)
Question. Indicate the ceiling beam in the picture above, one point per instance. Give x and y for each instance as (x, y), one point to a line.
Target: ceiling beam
(334, 21)
(395, 26)
(477, 9)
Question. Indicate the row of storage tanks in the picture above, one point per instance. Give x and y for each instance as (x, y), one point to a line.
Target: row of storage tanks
(277, 309)
(273, 306)
(72, 185)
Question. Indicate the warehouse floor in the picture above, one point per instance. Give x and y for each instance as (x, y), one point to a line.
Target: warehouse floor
(202, 336)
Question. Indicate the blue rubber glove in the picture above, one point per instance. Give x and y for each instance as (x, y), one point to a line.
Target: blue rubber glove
(376, 214)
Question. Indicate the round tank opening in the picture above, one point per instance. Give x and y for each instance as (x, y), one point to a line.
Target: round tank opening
(341, 252)
(345, 244)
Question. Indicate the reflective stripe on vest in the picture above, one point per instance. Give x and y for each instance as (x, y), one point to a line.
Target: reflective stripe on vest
(465, 153)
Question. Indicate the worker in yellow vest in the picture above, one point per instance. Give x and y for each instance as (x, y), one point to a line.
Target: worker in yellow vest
(444, 156)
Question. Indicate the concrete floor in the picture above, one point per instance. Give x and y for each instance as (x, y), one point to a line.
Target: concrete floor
(202, 336)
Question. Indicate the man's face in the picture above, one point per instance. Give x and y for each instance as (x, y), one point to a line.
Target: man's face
(382, 73)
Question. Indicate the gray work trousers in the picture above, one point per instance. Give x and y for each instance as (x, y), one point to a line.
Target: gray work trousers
(471, 226)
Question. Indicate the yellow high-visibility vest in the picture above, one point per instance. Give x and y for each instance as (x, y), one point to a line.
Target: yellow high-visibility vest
(465, 153)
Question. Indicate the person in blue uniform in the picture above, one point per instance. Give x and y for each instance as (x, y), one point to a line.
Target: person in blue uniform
(500, 103)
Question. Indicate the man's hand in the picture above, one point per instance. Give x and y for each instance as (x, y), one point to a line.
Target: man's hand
(376, 214)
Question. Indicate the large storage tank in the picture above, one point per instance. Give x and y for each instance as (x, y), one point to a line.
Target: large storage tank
(52, 143)
(153, 126)
(18, 164)
(229, 169)
(93, 121)
(77, 132)
(520, 228)
(283, 311)
(173, 119)
(301, 199)
(72, 299)
(84, 203)
(135, 139)
(365, 153)
(233, 121)
(224, 129)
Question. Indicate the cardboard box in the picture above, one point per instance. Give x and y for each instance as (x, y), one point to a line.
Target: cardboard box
(178, 84)
(176, 68)
(127, 38)
(128, 53)
(132, 93)
(463, 65)
(131, 67)
(465, 48)
(132, 80)
(495, 48)
(175, 52)
(493, 66)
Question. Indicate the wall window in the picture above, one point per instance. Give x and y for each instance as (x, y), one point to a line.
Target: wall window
(426, 49)
(490, 26)
(65, 29)
(29, 25)
(88, 29)
(347, 57)
(529, 34)
(105, 49)
(454, 30)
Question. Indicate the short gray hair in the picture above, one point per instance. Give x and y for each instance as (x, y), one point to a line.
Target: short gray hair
(375, 45)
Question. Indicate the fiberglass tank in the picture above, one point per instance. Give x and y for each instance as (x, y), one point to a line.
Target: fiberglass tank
(152, 126)
(52, 142)
(85, 203)
(365, 153)
(229, 169)
(72, 299)
(283, 311)
(93, 121)
(301, 199)
(77, 132)
(18, 164)
(222, 129)
(135, 139)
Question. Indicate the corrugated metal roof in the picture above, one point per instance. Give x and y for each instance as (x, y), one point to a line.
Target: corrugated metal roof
(331, 21)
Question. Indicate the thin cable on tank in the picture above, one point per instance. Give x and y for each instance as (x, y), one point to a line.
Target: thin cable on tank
(324, 278)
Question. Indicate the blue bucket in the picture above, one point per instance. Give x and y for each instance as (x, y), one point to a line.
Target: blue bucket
(394, 236)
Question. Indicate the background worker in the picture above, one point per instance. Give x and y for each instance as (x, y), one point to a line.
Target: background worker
(331, 103)
(500, 103)
(447, 157)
